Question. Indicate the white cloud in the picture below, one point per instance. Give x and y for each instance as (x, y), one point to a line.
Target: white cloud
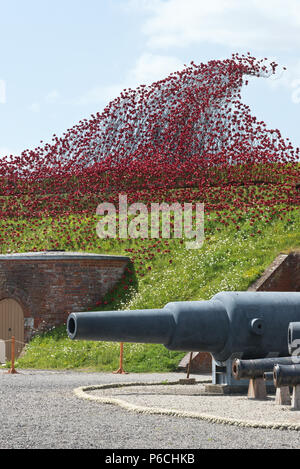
(147, 69)
(282, 10)
(255, 23)
(289, 79)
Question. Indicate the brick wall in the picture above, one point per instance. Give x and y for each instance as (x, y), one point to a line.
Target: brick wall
(49, 286)
(282, 275)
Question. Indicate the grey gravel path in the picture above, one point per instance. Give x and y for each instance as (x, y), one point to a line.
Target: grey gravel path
(38, 410)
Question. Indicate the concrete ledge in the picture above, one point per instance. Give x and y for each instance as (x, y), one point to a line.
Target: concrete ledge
(60, 255)
(85, 392)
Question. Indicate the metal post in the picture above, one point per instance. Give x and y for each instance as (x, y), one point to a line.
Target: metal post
(189, 366)
(121, 371)
(188, 380)
(12, 370)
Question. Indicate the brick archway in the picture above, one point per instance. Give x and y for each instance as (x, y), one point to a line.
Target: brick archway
(22, 298)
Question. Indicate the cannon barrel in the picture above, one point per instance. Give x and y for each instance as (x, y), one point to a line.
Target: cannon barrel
(286, 375)
(231, 324)
(249, 369)
(151, 326)
(157, 326)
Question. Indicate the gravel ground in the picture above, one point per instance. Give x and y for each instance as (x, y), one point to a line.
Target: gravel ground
(191, 398)
(39, 410)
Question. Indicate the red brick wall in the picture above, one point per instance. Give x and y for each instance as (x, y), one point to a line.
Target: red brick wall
(282, 275)
(49, 289)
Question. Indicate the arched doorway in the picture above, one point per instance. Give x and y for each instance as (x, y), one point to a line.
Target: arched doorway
(11, 324)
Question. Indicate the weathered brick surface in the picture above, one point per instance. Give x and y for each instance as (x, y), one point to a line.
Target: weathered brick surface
(282, 275)
(201, 362)
(50, 288)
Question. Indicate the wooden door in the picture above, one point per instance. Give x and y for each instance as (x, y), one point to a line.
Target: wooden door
(12, 324)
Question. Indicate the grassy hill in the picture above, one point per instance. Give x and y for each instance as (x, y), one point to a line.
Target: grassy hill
(163, 270)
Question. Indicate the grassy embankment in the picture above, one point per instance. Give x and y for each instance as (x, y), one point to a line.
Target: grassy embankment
(164, 270)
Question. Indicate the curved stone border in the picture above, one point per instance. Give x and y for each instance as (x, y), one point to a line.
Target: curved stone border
(82, 394)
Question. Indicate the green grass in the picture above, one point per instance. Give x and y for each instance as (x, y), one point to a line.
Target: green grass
(53, 350)
(228, 260)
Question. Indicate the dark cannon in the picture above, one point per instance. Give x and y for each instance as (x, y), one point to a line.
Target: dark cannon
(286, 375)
(244, 325)
(259, 372)
(285, 378)
(250, 369)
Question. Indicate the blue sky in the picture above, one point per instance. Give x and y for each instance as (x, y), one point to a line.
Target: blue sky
(62, 60)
